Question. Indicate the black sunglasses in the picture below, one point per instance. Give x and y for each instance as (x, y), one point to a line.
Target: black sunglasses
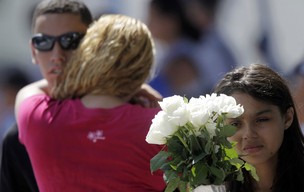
(67, 41)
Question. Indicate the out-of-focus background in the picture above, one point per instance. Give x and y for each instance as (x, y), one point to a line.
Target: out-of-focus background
(244, 24)
(197, 41)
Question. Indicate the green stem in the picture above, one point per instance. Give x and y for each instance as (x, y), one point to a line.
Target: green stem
(192, 131)
(183, 141)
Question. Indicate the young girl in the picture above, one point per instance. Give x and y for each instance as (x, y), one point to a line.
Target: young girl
(91, 138)
(268, 135)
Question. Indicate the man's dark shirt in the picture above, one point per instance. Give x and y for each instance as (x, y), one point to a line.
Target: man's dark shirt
(16, 170)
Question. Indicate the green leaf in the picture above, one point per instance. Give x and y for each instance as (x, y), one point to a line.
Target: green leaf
(208, 146)
(199, 174)
(183, 186)
(219, 174)
(199, 157)
(158, 160)
(252, 171)
(238, 163)
(214, 158)
(170, 175)
(225, 143)
(172, 185)
(219, 119)
(174, 145)
(228, 131)
(205, 134)
(240, 176)
(231, 153)
(177, 164)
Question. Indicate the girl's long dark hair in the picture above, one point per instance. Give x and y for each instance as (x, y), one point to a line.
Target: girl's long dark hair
(264, 84)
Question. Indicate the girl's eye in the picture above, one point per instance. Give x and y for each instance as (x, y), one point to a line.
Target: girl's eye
(236, 124)
(262, 120)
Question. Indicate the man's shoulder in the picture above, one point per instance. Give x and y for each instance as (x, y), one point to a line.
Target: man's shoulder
(11, 136)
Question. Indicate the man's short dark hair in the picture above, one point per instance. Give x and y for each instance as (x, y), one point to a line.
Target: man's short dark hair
(63, 6)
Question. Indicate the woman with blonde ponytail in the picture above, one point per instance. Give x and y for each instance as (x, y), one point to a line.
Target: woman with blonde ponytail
(115, 58)
(87, 136)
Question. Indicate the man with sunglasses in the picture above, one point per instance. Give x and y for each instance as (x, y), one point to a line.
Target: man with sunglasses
(58, 27)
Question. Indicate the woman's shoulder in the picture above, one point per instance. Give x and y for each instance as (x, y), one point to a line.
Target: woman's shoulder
(138, 108)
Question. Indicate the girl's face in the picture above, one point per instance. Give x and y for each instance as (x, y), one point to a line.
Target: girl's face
(260, 130)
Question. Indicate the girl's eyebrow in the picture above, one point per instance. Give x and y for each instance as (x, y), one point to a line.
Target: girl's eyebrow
(263, 111)
(256, 114)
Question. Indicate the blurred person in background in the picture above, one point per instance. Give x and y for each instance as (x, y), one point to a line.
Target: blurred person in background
(177, 37)
(297, 87)
(214, 55)
(195, 55)
(12, 79)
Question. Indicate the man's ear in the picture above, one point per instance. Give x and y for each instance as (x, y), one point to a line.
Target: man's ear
(289, 117)
(33, 52)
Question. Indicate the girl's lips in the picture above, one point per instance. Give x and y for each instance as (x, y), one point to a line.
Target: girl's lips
(252, 149)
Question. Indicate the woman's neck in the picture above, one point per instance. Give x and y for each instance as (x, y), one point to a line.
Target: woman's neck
(102, 101)
(266, 173)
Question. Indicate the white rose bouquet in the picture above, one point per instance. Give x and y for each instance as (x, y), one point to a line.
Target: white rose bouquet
(194, 134)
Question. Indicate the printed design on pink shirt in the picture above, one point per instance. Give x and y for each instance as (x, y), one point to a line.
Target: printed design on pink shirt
(95, 136)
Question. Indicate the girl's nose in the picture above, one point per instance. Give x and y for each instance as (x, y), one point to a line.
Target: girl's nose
(249, 132)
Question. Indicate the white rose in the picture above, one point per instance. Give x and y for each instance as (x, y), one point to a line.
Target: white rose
(233, 111)
(211, 127)
(198, 112)
(171, 104)
(160, 129)
(211, 102)
(228, 105)
(180, 116)
(176, 109)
